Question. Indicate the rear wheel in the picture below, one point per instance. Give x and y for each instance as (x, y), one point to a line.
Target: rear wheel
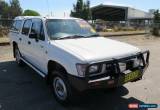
(18, 57)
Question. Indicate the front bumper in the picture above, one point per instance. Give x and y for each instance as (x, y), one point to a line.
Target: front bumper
(117, 79)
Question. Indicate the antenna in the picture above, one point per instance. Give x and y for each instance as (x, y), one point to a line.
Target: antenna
(48, 6)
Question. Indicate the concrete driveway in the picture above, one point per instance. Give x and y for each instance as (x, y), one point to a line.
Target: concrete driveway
(23, 89)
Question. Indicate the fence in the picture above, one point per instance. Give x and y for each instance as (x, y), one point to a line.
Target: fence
(156, 29)
(115, 26)
(5, 23)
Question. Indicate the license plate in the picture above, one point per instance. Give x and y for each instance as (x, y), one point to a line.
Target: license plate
(131, 76)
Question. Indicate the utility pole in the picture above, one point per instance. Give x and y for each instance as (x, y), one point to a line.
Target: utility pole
(0, 20)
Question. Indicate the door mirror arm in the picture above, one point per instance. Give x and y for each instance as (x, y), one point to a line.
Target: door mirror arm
(33, 36)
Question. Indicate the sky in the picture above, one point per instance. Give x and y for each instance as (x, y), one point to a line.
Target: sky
(59, 7)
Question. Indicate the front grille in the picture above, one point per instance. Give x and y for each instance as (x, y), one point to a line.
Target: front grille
(108, 69)
(112, 68)
(129, 64)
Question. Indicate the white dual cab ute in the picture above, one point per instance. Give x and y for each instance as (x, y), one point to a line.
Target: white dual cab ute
(73, 57)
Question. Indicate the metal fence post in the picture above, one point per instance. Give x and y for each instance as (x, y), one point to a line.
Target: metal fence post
(0, 22)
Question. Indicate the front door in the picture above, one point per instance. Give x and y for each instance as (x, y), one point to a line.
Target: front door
(38, 47)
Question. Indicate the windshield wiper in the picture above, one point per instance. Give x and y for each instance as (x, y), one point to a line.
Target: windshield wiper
(93, 35)
(71, 37)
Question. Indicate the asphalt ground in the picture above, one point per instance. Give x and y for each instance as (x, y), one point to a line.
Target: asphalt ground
(24, 89)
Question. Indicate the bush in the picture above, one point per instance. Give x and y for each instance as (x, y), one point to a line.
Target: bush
(120, 28)
(3, 31)
(30, 13)
(156, 32)
(116, 28)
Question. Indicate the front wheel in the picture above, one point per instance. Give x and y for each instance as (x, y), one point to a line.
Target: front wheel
(63, 91)
(60, 88)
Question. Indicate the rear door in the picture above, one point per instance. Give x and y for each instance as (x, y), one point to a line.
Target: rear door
(18, 28)
(15, 33)
(25, 39)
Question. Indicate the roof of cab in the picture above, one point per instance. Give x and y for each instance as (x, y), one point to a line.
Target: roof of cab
(40, 17)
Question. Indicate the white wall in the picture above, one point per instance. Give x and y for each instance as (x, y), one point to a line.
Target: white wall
(135, 14)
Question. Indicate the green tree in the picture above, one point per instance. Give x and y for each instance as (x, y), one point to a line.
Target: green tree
(15, 8)
(157, 16)
(81, 10)
(87, 11)
(30, 13)
(4, 9)
(156, 27)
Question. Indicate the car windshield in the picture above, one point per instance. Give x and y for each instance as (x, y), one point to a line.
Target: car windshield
(69, 28)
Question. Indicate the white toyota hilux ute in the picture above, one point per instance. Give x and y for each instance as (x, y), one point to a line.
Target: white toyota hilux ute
(73, 57)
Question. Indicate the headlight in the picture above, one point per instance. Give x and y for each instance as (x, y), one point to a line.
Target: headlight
(122, 67)
(81, 69)
(93, 69)
(137, 62)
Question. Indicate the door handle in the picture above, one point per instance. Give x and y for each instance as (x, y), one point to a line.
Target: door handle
(41, 46)
(29, 42)
(20, 39)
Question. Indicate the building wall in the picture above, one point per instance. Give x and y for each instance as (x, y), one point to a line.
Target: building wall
(138, 14)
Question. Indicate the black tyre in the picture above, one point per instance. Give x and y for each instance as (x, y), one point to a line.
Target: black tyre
(114, 89)
(62, 90)
(18, 57)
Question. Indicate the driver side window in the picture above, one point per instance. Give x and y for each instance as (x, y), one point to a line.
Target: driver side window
(37, 28)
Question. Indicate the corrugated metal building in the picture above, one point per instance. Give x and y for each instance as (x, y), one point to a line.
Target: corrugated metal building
(121, 13)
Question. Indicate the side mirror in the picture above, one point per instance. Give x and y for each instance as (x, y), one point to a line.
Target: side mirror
(33, 35)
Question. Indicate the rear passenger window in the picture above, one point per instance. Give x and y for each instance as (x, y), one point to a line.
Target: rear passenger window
(26, 27)
(16, 26)
(13, 26)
